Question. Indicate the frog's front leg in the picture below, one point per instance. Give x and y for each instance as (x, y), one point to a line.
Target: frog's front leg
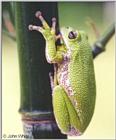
(49, 35)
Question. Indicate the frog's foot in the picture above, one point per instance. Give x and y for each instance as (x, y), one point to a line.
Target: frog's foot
(46, 29)
(44, 23)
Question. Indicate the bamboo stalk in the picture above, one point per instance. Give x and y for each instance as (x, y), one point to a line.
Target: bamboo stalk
(36, 100)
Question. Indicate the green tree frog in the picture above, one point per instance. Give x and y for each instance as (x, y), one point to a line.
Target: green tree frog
(73, 85)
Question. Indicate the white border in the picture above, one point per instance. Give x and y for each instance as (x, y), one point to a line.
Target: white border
(1, 42)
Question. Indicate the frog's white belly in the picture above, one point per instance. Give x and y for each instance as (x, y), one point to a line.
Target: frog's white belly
(64, 80)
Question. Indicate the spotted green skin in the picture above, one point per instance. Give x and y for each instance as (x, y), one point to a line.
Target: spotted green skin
(82, 78)
(72, 119)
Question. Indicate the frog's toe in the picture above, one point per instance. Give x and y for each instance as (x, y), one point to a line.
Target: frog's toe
(30, 27)
(38, 14)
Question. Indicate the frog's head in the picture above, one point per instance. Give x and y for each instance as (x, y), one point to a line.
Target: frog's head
(71, 37)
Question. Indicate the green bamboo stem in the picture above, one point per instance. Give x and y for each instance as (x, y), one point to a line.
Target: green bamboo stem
(36, 98)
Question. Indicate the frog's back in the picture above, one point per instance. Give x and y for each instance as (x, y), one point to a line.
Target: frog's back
(82, 80)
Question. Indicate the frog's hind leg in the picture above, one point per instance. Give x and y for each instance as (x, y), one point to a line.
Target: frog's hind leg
(65, 114)
(60, 109)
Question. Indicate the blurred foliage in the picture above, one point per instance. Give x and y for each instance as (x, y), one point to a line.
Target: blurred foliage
(8, 20)
(9, 8)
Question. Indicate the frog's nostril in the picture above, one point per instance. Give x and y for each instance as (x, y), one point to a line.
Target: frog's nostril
(67, 27)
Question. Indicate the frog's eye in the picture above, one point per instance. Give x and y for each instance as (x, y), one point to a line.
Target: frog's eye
(72, 35)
